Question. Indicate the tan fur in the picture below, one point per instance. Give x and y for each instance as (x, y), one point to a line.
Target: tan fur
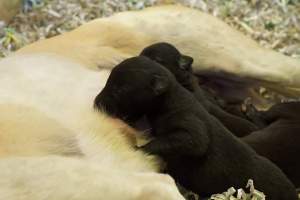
(47, 107)
(214, 45)
(55, 146)
(61, 178)
(52, 140)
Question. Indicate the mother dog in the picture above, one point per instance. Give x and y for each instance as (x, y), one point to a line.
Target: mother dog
(55, 146)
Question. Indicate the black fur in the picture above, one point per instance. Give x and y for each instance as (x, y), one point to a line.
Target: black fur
(279, 140)
(200, 152)
(181, 66)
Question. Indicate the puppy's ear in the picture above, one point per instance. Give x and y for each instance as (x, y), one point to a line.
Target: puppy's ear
(160, 84)
(185, 62)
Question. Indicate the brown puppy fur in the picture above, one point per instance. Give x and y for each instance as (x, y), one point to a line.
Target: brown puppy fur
(279, 139)
(201, 154)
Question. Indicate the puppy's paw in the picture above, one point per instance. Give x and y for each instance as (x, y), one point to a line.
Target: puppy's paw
(249, 109)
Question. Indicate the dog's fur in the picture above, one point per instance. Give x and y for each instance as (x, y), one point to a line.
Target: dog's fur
(279, 140)
(105, 42)
(54, 146)
(50, 104)
(181, 66)
(200, 152)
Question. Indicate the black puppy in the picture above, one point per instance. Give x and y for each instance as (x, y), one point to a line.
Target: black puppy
(201, 154)
(181, 66)
(285, 110)
(279, 141)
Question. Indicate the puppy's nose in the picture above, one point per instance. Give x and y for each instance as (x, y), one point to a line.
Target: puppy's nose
(185, 62)
(100, 101)
(105, 104)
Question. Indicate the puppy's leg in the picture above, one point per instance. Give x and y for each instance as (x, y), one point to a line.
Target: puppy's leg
(237, 125)
(240, 127)
(287, 110)
(179, 143)
(255, 116)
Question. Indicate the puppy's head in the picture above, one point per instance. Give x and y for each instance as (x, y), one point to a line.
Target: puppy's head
(134, 88)
(168, 56)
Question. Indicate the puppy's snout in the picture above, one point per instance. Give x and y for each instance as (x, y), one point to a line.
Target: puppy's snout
(101, 102)
(106, 104)
(186, 62)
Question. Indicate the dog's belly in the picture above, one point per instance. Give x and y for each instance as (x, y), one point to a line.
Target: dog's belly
(46, 107)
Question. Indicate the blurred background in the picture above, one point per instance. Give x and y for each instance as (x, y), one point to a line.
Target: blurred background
(273, 23)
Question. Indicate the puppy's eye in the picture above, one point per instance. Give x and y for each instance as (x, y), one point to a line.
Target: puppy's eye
(159, 60)
(185, 62)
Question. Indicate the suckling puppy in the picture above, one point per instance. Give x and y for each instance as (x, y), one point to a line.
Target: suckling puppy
(50, 126)
(279, 141)
(181, 66)
(200, 152)
(284, 110)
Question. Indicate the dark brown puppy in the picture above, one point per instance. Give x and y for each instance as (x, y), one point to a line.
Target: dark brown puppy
(201, 154)
(181, 66)
(279, 141)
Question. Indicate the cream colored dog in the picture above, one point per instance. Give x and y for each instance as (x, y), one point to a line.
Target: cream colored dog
(215, 46)
(55, 146)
